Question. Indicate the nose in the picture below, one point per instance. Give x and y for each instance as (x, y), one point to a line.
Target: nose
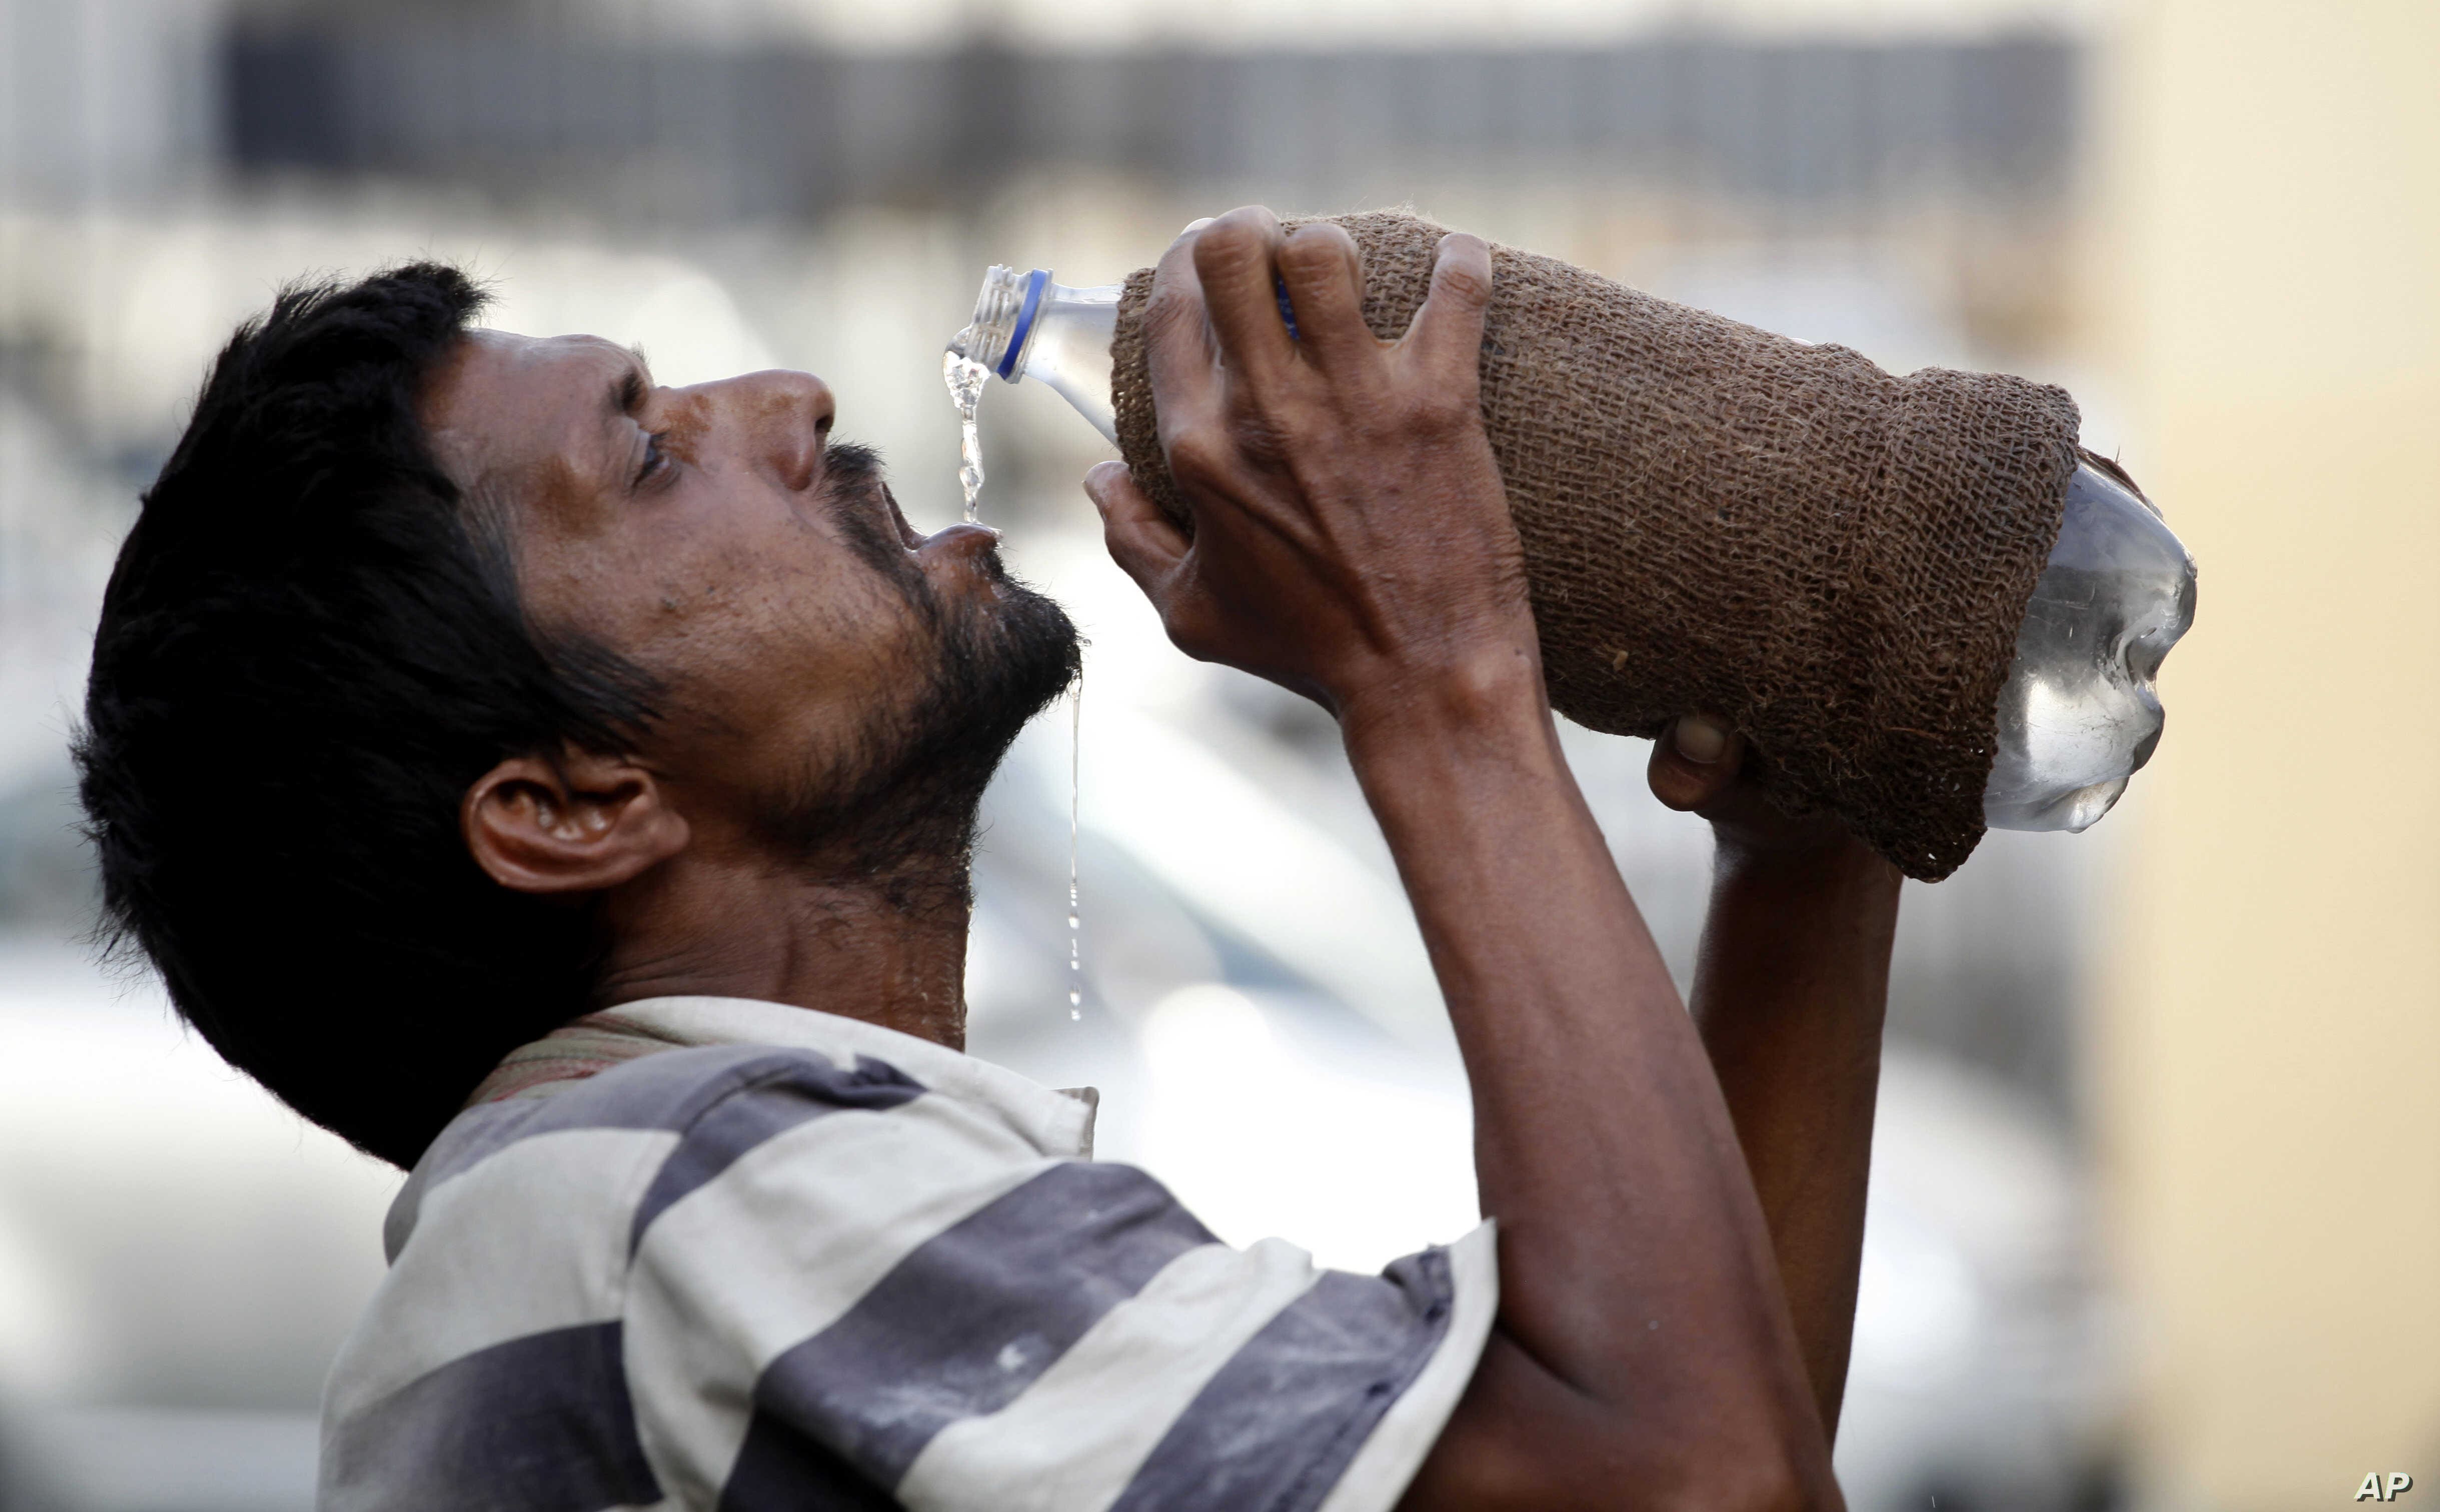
(786, 417)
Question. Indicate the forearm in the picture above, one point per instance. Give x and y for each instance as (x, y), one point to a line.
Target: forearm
(1791, 990)
(1351, 541)
(1635, 1264)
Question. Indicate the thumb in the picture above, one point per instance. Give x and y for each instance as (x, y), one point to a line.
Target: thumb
(1695, 761)
(1145, 543)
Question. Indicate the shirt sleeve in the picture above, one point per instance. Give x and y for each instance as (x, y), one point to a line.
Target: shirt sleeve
(915, 1324)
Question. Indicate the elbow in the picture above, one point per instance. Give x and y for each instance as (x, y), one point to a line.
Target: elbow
(1711, 1440)
(1716, 1465)
(1741, 1457)
(1770, 1461)
(1773, 1484)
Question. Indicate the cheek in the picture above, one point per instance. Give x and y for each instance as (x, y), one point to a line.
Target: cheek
(760, 623)
(791, 653)
(699, 578)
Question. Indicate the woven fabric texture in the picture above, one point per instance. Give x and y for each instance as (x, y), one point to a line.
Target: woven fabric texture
(1722, 520)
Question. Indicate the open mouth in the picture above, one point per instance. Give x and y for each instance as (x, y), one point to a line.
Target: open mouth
(907, 535)
(852, 479)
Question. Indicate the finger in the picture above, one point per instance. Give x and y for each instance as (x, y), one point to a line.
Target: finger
(1325, 275)
(1447, 331)
(1178, 349)
(1236, 256)
(1146, 544)
(1695, 763)
(1703, 741)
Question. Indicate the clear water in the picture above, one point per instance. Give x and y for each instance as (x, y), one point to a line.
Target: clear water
(965, 381)
(2081, 713)
(1069, 351)
(1075, 787)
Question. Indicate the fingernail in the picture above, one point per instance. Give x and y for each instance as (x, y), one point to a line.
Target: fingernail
(1192, 226)
(1699, 740)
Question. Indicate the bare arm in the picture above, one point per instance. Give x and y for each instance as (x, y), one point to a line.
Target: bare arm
(1789, 992)
(1351, 542)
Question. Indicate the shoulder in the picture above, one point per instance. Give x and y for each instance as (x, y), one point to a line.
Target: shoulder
(525, 1216)
(727, 1198)
(595, 1132)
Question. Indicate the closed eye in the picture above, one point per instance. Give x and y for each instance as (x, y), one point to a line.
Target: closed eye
(656, 461)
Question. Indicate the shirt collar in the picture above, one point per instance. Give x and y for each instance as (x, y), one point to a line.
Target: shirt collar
(1061, 1122)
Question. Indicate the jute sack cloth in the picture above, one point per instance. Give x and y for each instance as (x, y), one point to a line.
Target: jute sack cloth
(1721, 520)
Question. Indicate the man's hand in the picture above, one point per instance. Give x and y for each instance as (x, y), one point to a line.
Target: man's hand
(1702, 767)
(1351, 539)
(1790, 991)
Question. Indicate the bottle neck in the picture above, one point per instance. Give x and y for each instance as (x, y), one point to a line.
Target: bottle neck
(1006, 310)
(1025, 326)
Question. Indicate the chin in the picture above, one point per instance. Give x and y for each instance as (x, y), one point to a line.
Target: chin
(996, 660)
(1030, 653)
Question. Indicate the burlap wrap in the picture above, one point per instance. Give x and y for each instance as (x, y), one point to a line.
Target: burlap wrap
(1719, 519)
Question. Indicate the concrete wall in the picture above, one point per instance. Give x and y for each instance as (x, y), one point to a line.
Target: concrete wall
(104, 99)
(2270, 1046)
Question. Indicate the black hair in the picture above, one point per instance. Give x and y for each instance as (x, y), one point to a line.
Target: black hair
(310, 645)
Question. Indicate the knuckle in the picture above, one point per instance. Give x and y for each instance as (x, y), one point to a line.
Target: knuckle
(1170, 310)
(1239, 233)
(1120, 540)
(1463, 282)
(1259, 434)
(1191, 630)
(1197, 458)
(1448, 408)
(1316, 249)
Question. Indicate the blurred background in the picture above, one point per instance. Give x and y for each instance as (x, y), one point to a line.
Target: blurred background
(2156, 1214)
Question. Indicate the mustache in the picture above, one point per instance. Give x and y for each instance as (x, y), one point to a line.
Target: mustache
(858, 500)
(850, 465)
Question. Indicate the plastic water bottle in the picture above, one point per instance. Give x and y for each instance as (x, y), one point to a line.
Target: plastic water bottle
(2080, 713)
(1025, 326)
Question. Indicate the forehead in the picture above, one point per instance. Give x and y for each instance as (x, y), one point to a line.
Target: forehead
(502, 403)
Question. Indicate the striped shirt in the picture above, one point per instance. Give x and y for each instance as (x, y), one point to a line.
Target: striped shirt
(704, 1252)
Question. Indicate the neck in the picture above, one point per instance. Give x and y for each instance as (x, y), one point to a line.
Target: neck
(888, 948)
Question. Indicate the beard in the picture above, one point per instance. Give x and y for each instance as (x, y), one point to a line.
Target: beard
(901, 800)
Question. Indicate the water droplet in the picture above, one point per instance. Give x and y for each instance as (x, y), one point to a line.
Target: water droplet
(965, 381)
(1075, 786)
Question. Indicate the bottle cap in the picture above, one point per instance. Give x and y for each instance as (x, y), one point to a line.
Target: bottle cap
(1036, 282)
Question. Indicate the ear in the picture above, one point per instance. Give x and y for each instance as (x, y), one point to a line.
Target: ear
(581, 824)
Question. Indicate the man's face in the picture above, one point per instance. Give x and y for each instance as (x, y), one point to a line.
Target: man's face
(834, 680)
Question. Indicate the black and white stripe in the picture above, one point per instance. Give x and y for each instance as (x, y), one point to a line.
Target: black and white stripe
(812, 1264)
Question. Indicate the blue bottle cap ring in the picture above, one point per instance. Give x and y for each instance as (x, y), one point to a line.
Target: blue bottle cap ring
(1036, 282)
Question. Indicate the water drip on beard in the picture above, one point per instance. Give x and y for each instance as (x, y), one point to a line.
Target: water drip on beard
(965, 381)
(1075, 788)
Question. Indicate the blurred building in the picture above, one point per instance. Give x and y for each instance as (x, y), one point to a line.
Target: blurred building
(737, 184)
(2053, 188)
(2272, 1009)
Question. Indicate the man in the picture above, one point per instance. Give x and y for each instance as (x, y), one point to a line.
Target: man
(563, 785)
